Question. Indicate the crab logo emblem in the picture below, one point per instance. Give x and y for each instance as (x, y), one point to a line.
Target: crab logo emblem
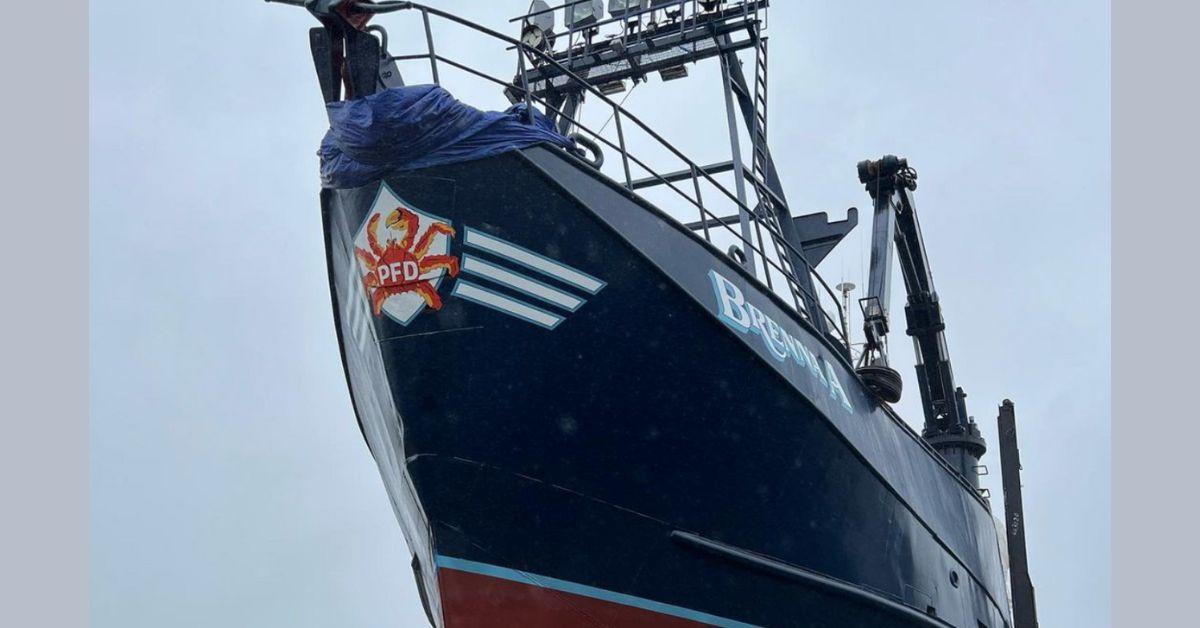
(403, 254)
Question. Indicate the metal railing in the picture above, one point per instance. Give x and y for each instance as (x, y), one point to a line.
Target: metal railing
(689, 13)
(709, 221)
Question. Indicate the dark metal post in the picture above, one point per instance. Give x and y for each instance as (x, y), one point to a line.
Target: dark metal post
(624, 153)
(570, 110)
(700, 204)
(429, 45)
(524, 83)
(1024, 608)
(739, 176)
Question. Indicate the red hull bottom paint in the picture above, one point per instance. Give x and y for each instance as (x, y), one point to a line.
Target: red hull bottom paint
(471, 600)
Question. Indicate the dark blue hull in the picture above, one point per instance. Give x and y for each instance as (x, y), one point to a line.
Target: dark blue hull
(598, 419)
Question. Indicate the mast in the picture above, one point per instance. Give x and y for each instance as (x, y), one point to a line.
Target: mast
(664, 37)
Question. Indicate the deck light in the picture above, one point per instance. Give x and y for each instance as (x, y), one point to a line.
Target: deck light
(622, 8)
(584, 12)
(674, 72)
(630, 10)
(611, 87)
(673, 8)
(538, 32)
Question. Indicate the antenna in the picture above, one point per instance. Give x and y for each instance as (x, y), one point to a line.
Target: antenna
(846, 288)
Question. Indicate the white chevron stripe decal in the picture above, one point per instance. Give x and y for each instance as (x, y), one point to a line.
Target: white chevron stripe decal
(519, 282)
(508, 305)
(529, 259)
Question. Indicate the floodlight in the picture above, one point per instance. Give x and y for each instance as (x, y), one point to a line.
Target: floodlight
(674, 72)
(671, 8)
(621, 8)
(584, 12)
(538, 31)
(611, 87)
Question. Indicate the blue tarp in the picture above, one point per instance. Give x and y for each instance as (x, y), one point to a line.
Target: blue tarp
(406, 128)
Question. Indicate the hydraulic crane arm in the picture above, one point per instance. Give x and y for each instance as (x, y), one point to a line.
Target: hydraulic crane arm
(891, 182)
(879, 288)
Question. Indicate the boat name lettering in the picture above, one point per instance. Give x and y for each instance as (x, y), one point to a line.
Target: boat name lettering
(745, 317)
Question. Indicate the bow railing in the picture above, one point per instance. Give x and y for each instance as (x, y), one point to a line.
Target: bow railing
(714, 229)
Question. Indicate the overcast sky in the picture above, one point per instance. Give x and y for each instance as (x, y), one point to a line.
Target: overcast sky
(230, 485)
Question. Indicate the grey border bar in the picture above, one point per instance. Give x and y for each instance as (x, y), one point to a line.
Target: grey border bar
(44, 318)
(1154, 224)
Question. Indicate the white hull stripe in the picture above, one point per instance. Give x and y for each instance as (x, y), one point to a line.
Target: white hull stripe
(521, 283)
(507, 305)
(531, 260)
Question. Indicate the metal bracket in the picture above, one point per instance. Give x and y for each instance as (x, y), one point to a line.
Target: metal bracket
(819, 236)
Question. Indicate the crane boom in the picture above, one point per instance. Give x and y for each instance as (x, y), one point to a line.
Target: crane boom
(891, 182)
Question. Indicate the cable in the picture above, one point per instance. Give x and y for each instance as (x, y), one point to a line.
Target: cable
(619, 105)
